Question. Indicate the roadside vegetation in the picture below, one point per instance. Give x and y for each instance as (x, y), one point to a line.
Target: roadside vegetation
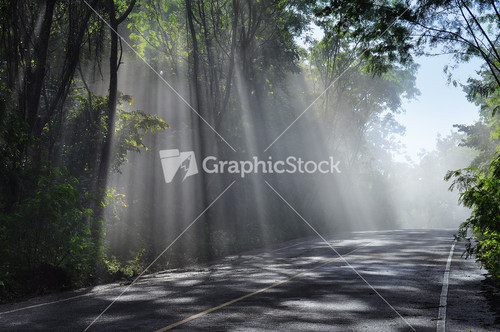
(79, 206)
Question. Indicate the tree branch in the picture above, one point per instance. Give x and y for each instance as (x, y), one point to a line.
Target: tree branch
(126, 13)
(482, 31)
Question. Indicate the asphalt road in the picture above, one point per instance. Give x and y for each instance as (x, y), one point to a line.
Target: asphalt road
(384, 281)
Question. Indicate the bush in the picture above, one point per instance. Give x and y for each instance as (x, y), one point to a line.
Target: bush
(481, 193)
(47, 234)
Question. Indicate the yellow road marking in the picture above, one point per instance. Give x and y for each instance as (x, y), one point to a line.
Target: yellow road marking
(203, 313)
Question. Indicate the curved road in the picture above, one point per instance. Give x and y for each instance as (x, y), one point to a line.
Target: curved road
(383, 281)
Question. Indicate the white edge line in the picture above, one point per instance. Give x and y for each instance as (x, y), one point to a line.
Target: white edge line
(441, 322)
(47, 303)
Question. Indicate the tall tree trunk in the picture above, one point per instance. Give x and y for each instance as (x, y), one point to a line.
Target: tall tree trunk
(111, 107)
(106, 147)
(232, 55)
(34, 76)
(196, 58)
(29, 98)
(105, 152)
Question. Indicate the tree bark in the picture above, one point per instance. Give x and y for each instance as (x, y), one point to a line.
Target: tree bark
(196, 60)
(29, 98)
(105, 152)
(232, 55)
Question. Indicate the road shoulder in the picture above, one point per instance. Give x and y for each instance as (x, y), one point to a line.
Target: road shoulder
(472, 306)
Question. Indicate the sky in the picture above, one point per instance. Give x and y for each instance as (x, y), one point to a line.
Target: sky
(438, 108)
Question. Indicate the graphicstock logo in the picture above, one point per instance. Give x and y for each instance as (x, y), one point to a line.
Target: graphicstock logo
(173, 160)
(290, 165)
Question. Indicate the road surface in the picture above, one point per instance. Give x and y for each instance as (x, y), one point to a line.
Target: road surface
(383, 281)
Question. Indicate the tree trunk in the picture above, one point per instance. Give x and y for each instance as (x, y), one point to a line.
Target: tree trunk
(105, 152)
(111, 107)
(29, 98)
(106, 147)
(196, 60)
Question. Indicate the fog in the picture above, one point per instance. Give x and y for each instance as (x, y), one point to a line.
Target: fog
(344, 119)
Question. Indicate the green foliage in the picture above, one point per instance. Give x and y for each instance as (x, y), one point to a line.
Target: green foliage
(88, 124)
(130, 130)
(52, 133)
(488, 252)
(480, 191)
(158, 31)
(50, 237)
(129, 269)
(466, 28)
(479, 137)
(236, 62)
(356, 104)
(255, 40)
(374, 28)
(50, 227)
(480, 184)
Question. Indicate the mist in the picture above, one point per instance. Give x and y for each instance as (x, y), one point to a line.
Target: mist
(300, 114)
(163, 160)
(142, 136)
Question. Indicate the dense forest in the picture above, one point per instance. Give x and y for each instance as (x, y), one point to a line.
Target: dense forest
(92, 90)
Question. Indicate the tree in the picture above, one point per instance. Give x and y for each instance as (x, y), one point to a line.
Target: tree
(375, 28)
(39, 85)
(56, 141)
(464, 28)
(479, 185)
